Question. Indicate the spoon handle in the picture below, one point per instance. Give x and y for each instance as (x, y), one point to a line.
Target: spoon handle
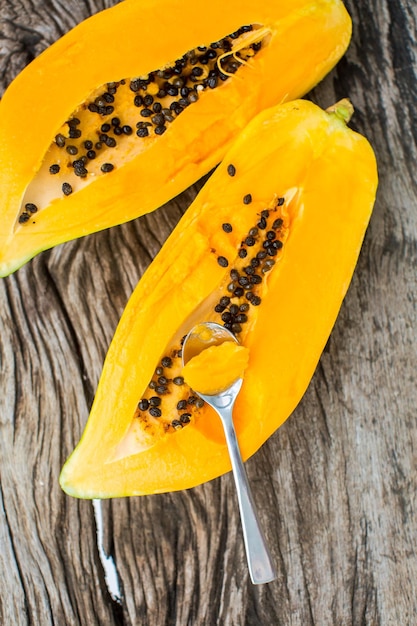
(260, 565)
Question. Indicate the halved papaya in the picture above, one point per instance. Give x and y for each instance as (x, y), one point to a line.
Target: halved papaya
(136, 103)
(268, 249)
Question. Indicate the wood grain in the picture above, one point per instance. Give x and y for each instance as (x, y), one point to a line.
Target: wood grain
(335, 486)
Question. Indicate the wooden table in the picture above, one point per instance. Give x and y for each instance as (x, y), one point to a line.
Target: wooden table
(335, 486)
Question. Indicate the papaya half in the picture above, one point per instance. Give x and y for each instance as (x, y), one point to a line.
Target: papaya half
(267, 249)
(136, 103)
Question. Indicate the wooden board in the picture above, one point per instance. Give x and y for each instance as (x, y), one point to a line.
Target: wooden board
(335, 486)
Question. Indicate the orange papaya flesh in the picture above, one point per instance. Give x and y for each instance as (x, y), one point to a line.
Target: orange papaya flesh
(217, 367)
(296, 176)
(264, 53)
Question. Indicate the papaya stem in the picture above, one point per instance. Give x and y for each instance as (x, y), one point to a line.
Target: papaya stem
(343, 109)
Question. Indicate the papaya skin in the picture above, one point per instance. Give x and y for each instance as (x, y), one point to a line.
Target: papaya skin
(306, 38)
(328, 175)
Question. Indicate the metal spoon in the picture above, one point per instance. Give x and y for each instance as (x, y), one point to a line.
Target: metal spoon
(260, 565)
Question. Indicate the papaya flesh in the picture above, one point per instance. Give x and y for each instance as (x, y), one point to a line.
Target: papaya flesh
(216, 368)
(128, 109)
(267, 249)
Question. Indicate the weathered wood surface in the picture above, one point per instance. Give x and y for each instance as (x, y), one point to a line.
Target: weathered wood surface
(335, 486)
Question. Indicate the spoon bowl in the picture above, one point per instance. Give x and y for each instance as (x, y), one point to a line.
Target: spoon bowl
(202, 336)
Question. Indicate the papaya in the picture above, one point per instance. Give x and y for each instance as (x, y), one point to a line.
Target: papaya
(134, 105)
(267, 249)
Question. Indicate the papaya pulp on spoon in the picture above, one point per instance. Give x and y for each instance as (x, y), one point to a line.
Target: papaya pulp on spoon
(215, 368)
